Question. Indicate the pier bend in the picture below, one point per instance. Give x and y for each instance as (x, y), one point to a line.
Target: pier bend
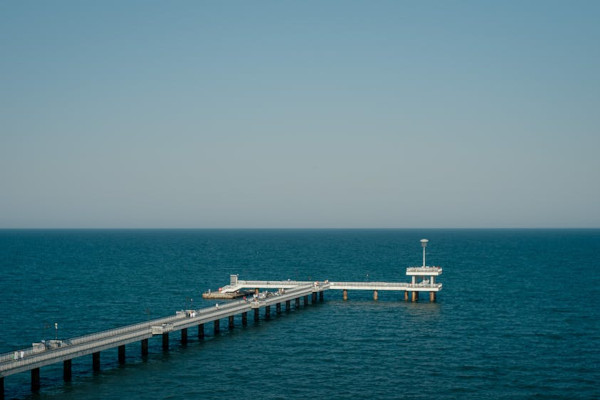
(56, 351)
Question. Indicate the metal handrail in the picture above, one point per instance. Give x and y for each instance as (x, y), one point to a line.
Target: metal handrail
(426, 268)
(64, 351)
(386, 284)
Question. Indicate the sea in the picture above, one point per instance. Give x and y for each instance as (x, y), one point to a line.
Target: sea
(518, 316)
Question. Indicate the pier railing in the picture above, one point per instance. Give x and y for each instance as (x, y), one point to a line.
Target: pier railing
(73, 350)
(424, 269)
(91, 337)
(85, 342)
(384, 285)
(29, 351)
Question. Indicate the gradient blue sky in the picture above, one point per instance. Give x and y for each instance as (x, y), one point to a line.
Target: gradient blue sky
(268, 114)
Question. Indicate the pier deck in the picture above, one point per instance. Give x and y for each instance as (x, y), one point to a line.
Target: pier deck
(397, 286)
(28, 359)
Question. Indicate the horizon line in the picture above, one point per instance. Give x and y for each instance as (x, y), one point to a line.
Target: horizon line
(295, 228)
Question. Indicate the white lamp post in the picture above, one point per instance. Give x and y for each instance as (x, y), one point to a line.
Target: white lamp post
(424, 244)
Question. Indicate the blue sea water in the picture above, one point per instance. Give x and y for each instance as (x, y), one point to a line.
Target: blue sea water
(518, 316)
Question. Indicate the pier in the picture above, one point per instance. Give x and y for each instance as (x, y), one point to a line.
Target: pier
(411, 289)
(56, 351)
(423, 279)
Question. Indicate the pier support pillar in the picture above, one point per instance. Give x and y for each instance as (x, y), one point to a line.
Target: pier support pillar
(244, 318)
(201, 331)
(375, 295)
(231, 323)
(288, 305)
(345, 294)
(165, 341)
(268, 312)
(415, 296)
(256, 315)
(432, 297)
(297, 301)
(314, 298)
(96, 361)
(35, 380)
(144, 347)
(278, 308)
(406, 295)
(321, 296)
(305, 300)
(122, 354)
(217, 326)
(67, 374)
(184, 336)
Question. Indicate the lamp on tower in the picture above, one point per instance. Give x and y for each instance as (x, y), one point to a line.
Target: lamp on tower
(424, 244)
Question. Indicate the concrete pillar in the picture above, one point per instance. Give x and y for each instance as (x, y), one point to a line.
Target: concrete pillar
(244, 318)
(432, 297)
(314, 297)
(288, 305)
(67, 374)
(297, 301)
(144, 347)
(305, 300)
(256, 315)
(121, 354)
(406, 295)
(268, 312)
(345, 294)
(375, 295)
(415, 296)
(184, 336)
(321, 296)
(231, 323)
(278, 308)
(35, 379)
(200, 331)
(96, 361)
(165, 341)
(217, 326)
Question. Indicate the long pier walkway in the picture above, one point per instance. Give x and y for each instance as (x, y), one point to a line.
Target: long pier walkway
(55, 351)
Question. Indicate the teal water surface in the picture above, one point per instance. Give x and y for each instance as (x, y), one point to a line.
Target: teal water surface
(518, 316)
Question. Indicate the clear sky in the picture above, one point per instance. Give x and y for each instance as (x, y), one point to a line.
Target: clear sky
(299, 114)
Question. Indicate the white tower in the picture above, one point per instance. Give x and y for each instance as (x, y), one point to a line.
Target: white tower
(424, 244)
(427, 279)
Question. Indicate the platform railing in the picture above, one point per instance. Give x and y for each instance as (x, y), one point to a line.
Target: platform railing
(70, 350)
(424, 269)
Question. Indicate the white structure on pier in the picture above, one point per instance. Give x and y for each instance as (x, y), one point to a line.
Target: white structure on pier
(427, 275)
(426, 283)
